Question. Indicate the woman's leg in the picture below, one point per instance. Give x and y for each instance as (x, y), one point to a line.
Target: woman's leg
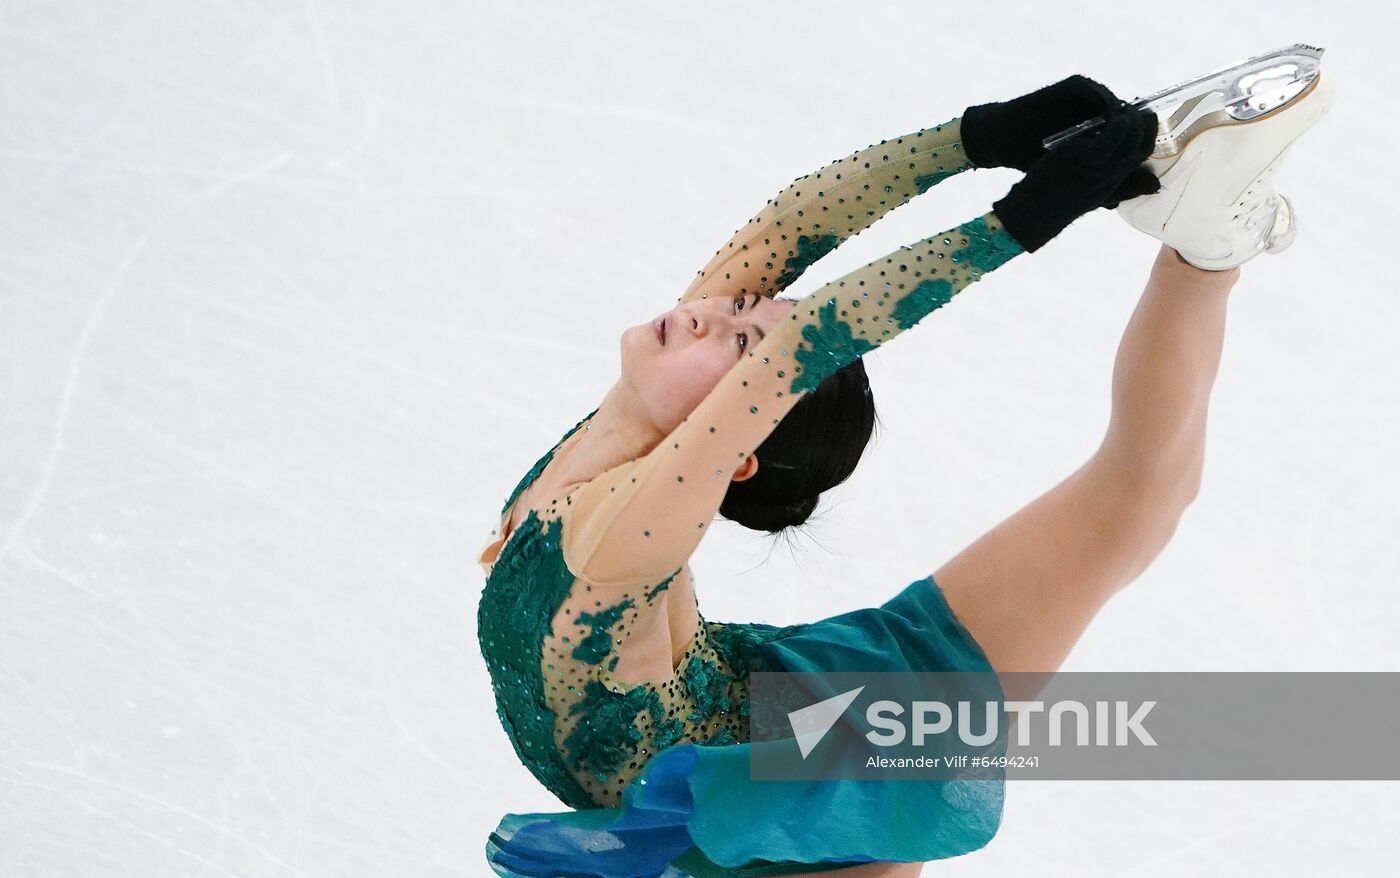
(1028, 588)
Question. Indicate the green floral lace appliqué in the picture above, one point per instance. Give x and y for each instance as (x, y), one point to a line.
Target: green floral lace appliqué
(830, 345)
(660, 587)
(529, 581)
(723, 738)
(607, 735)
(986, 249)
(925, 182)
(810, 248)
(930, 295)
(543, 462)
(596, 646)
(708, 687)
(667, 733)
(738, 644)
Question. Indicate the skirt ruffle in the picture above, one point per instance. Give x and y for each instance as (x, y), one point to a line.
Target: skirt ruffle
(694, 812)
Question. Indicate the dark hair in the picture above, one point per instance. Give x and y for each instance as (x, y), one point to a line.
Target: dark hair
(814, 448)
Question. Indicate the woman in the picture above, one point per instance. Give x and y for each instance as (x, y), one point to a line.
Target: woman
(628, 704)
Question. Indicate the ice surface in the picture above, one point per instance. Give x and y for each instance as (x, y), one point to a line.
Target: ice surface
(292, 294)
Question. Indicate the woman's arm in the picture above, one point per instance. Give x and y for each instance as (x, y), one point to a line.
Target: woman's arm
(640, 521)
(820, 210)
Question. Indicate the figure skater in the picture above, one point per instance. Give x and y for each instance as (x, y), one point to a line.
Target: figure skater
(631, 707)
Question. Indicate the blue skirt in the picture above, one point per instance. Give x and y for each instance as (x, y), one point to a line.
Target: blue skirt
(694, 811)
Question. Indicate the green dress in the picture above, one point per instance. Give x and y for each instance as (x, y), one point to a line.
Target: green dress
(654, 755)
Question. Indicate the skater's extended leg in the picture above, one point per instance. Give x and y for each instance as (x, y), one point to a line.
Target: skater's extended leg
(1163, 376)
(1028, 588)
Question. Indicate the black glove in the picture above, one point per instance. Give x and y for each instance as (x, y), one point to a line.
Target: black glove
(1080, 174)
(1008, 134)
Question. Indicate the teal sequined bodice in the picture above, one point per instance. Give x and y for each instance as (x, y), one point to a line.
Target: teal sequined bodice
(552, 636)
(580, 731)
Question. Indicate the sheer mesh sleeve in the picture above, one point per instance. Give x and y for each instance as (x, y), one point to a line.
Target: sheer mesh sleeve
(641, 520)
(820, 210)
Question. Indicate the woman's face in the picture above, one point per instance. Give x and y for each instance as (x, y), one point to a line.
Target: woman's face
(703, 339)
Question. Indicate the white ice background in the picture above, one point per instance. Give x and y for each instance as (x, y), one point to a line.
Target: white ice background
(293, 293)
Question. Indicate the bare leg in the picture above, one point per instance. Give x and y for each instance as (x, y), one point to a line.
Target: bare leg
(1164, 372)
(1028, 588)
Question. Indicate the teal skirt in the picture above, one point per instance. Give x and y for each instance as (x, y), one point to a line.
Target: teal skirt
(694, 811)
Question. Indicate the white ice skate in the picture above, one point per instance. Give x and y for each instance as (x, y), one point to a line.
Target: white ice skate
(1216, 154)
(1245, 88)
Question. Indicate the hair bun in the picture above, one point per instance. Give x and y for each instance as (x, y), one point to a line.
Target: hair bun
(771, 517)
(814, 448)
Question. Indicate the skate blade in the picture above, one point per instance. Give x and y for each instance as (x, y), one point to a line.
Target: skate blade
(1244, 90)
(1223, 172)
(1177, 134)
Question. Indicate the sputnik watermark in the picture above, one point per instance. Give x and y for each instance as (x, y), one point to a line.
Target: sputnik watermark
(883, 715)
(927, 718)
(1075, 726)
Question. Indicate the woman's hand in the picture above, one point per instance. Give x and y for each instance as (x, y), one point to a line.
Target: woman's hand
(1089, 170)
(1008, 134)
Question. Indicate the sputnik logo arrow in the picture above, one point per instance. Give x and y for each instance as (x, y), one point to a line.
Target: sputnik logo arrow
(811, 723)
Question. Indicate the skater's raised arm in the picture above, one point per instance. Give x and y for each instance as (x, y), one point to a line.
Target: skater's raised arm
(820, 210)
(640, 521)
